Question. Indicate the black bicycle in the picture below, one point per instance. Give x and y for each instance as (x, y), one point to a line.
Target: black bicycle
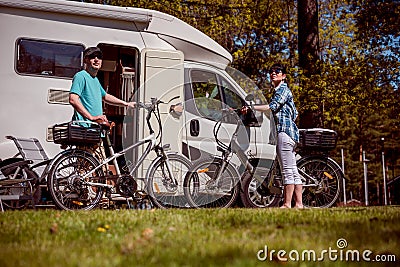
(216, 182)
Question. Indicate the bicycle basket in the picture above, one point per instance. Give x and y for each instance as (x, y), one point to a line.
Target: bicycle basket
(317, 139)
(70, 133)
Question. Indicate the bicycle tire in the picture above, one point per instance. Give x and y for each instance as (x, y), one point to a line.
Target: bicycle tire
(65, 181)
(163, 192)
(25, 191)
(328, 175)
(202, 192)
(252, 196)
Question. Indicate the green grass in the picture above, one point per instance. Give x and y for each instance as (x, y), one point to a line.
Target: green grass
(214, 237)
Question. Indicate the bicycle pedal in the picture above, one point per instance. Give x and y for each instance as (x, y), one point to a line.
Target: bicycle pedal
(139, 196)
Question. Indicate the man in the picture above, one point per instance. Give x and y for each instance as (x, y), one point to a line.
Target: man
(87, 94)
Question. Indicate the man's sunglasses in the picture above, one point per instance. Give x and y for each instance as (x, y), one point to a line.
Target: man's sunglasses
(277, 71)
(95, 55)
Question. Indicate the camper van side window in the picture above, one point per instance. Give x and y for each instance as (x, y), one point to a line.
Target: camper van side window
(231, 98)
(45, 58)
(206, 94)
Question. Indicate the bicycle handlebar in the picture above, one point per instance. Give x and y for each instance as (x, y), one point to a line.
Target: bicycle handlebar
(152, 107)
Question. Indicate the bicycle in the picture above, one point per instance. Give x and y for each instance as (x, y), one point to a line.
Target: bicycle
(21, 175)
(258, 186)
(77, 179)
(214, 181)
(18, 184)
(320, 174)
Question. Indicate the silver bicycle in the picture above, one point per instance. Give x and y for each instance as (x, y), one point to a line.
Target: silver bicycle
(77, 180)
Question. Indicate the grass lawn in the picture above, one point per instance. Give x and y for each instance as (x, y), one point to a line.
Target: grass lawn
(212, 237)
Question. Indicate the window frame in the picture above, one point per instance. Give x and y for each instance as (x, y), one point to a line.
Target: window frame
(17, 56)
(221, 81)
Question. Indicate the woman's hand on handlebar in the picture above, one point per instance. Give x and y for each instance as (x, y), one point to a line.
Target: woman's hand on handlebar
(245, 109)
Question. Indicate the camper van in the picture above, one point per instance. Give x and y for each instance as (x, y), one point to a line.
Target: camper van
(146, 54)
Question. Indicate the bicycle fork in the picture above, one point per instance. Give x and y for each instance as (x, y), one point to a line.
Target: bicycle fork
(170, 174)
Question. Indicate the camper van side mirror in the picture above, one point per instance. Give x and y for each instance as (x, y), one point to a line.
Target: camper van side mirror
(252, 118)
(249, 97)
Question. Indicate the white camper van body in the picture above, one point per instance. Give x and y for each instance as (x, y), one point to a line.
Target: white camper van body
(146, 53)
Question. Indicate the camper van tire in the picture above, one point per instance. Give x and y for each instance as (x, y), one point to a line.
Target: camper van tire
(254, 196)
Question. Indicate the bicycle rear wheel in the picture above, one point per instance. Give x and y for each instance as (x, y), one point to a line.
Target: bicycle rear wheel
(324, 191)
(204, 190)
(67, 186)
(21, 187)
(163, 190)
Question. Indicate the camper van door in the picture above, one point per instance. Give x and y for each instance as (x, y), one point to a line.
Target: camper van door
(163, 79)
(207, 93)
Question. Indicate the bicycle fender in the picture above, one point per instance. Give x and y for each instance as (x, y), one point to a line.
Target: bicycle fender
(325, 158)
(154, 162)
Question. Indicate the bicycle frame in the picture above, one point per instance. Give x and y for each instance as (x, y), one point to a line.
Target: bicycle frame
(234, 148)
(150, 140)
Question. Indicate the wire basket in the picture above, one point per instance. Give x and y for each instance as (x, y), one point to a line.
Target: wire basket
(317, 139)
(71, 133)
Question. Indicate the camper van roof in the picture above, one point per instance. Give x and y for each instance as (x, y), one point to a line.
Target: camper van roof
(194, 44)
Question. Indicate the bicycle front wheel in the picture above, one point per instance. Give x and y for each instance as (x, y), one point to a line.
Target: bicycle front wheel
(67, 186)
(321, 181)
(165, 190)
(203, 189)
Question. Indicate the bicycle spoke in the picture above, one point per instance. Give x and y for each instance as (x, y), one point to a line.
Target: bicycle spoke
(322, 186)
(67, 185)
(166, 191)
(203, 189)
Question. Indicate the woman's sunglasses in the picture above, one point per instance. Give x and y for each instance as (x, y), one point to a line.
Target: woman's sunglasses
(277, 71)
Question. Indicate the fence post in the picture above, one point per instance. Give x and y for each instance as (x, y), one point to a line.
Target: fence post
(384, 171)
(365, 178)
(344, 181)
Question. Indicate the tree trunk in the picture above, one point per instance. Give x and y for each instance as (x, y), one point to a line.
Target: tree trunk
(308, 35)
(309, 54)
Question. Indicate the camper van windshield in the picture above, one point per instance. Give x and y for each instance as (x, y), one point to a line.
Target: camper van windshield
(36, 57)
(246, 84)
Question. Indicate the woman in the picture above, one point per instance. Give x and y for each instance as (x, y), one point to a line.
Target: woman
(285, 114)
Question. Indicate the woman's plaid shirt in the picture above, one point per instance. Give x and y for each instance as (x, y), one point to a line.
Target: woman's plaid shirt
(285, 112)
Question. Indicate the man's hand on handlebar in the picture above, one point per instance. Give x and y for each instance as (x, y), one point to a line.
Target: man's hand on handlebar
(104, 122)
(131, 104)
(100, 119)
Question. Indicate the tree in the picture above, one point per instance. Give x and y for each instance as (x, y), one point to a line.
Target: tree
(308, 59)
